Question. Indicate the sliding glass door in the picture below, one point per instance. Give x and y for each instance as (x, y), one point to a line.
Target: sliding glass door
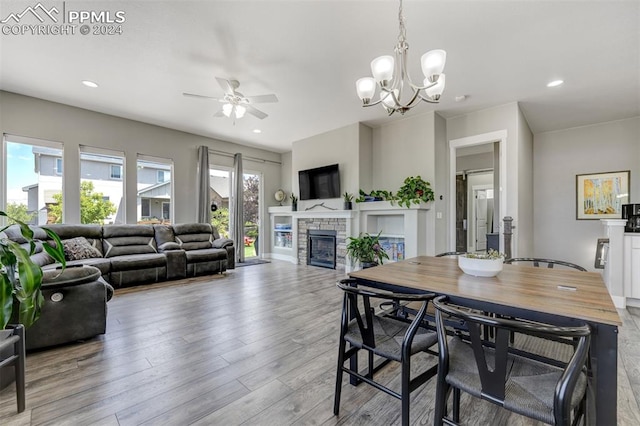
(220, 193)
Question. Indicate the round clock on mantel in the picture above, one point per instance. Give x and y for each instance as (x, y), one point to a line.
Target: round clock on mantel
(280, 196)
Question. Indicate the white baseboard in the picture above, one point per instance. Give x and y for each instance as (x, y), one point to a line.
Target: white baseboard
(284, 257)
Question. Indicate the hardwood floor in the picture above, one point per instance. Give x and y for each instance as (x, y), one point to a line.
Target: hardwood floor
(256, 346)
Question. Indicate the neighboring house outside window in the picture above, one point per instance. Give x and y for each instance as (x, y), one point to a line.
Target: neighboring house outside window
(145, 207)
(58, 166)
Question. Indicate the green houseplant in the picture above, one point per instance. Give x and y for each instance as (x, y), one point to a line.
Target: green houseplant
(414, 190)
(348, 198)
(20, 278)
(366, 249)
(294, 202)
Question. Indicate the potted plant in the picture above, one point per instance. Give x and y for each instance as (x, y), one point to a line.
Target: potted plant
(414, 190)
(375, 195)
(487, 264)
(348, 198)
(294, 202)
(366, 249)
(20, 278)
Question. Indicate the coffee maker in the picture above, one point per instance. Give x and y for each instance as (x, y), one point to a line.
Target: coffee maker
(631, 212)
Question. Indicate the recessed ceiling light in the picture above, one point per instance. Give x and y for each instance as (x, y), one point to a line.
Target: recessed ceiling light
(257, 131)
(555, 83)
(90, 83)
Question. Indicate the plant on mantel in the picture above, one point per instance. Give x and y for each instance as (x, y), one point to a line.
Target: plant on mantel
(414, 190)
(20, 278)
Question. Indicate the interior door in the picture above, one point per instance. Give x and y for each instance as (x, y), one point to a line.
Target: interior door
(461, 213)
(481, 219)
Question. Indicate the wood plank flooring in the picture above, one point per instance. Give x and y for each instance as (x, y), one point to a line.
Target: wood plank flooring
(256, 346)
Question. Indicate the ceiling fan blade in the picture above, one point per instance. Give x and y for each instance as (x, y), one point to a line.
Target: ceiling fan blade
(226, 85)
(256, 112)
(193, 95)
(219, 114)
(260, 99)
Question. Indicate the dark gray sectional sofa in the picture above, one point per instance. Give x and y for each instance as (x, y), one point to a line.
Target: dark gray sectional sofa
(125, 255)
(140, 254)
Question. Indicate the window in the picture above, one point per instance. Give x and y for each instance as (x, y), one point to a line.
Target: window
(155, 189)
(163, 176)
(32, 183)
(145, 206)
(101, 178)
(116, 172)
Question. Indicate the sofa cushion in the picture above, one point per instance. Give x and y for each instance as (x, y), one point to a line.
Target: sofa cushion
(92, 233)
(206, 255)
(79, 248)
(193, 236)
(137, 261)
(120, 240)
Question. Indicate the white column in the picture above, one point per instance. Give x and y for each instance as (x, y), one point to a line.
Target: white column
(614, 266)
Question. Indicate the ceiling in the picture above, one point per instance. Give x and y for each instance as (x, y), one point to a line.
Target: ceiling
(311, 52)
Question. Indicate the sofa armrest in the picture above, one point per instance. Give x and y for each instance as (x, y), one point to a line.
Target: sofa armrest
(169, 245)
(221, 243)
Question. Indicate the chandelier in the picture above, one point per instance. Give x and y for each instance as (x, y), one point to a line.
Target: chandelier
(391, 76)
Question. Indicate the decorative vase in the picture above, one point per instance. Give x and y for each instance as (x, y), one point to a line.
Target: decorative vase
(348, 205)
(294, 207)
(366, 265)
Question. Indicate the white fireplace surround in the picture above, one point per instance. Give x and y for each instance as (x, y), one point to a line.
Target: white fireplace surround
(408, 223)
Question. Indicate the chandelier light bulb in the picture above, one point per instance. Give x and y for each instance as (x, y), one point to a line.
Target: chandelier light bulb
(382, 69)
(433, 64)
(436, 90)
(387, 99)
(366, 88)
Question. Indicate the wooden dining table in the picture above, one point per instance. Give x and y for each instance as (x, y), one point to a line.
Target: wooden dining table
(554, 296)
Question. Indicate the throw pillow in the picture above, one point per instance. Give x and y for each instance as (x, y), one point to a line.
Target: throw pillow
(79, 248)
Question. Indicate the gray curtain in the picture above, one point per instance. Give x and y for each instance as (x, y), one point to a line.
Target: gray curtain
(204, 199)
(236, 216)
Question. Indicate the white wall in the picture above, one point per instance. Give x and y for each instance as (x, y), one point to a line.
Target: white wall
(505, 117)
(441, 186)
(557, 158)
(406, 148)
(340, 146)
(36, 118)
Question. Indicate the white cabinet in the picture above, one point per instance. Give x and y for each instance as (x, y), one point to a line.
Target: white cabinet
(282, 234)
(403, 231)
(632, 265)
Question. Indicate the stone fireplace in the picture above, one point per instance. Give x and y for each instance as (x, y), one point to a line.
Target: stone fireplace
(321, 248)
(333, 225)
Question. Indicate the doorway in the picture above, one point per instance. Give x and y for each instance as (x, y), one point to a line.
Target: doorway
(220, 193)
(498, 141)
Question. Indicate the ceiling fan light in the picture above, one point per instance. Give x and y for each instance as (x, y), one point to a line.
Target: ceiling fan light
(382, 69)
(240, 110)
(433, 64)
(436, 90)
(366, 88)
(227, 109)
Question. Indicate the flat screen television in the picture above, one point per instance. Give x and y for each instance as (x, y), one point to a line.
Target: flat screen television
(321, 182)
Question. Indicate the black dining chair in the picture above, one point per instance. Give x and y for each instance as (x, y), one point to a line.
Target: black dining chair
(490, 370)
(391, 337)
(550, 263)
(14, 346)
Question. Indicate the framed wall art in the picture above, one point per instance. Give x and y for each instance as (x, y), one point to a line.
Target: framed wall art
(601, 195)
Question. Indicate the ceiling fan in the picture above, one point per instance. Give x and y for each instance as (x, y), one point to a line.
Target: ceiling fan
(234, 103)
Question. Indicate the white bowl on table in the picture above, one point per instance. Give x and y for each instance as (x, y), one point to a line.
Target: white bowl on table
(480, 267)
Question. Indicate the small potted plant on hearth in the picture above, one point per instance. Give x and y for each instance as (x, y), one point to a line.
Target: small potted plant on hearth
(366, 249)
